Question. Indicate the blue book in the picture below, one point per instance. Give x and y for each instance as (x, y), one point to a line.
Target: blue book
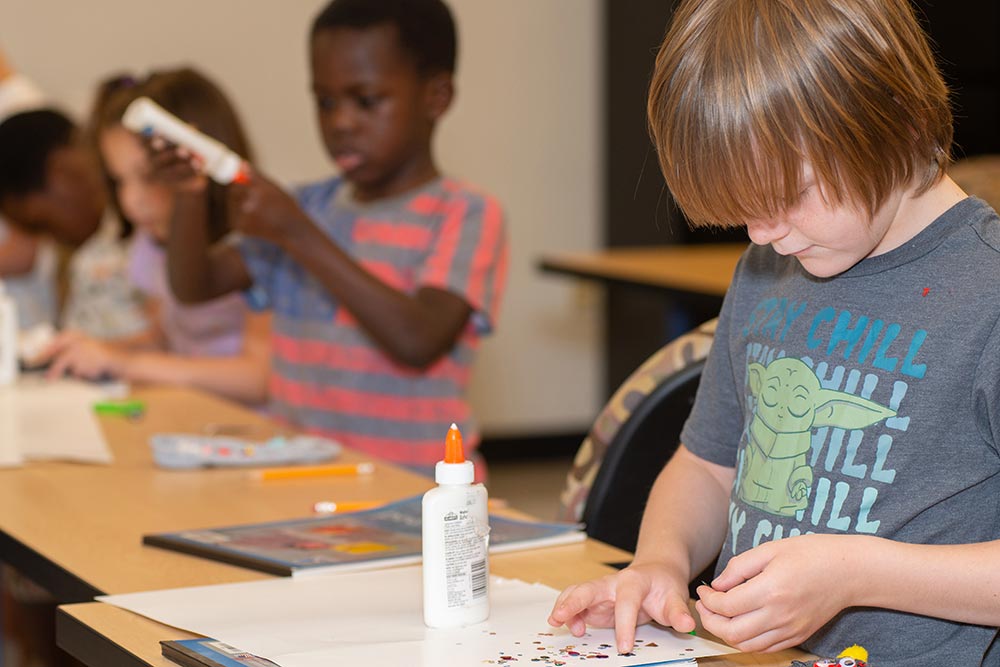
(385, 536)
(209, 653)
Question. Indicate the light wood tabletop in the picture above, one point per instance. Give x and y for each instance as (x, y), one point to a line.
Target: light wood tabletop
(77, 529)
(702, 269)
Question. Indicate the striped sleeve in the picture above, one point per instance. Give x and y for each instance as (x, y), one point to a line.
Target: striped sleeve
(261, 258)
(469, 256)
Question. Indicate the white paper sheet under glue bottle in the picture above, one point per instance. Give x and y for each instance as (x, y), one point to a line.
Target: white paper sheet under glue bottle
(375, 619)
(51, 419)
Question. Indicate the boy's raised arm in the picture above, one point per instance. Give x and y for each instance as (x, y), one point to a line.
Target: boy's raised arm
(682, 529)
(413, 329)
(197, 269)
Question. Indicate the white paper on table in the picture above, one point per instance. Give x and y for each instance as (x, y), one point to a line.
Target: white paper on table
(376, 617)
(51, 419)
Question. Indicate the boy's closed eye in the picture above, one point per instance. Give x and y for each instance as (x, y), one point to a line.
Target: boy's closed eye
(362, 101)
(369, 102)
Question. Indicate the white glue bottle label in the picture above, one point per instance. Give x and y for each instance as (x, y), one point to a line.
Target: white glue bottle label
(144, 116)
(455, 542)
(8, 338)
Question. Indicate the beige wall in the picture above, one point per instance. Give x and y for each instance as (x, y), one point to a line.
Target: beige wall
(526, 126)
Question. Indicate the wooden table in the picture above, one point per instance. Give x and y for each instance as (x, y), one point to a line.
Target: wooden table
(103, 635)
(704, 269)
(77, 529)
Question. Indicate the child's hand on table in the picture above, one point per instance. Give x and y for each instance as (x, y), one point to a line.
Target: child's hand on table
(72, 353)
(636, 595)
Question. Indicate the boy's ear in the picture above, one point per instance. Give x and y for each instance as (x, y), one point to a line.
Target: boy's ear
(439, 89)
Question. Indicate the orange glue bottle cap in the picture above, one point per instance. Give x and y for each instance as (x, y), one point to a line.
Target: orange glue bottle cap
(454, 469)
(453, 446)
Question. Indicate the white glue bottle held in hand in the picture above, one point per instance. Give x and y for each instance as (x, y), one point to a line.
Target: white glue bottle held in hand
(455, 541)
(222, 165)
(8, 338)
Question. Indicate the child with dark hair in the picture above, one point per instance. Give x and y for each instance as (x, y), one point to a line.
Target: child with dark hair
(382, 280)
(50, 188)
(27, 262)
(842, 456)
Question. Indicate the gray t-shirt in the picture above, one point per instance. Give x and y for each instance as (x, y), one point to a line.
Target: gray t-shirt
(867, 403)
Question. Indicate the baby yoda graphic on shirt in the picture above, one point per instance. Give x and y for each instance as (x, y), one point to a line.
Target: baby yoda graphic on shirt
(790, 402)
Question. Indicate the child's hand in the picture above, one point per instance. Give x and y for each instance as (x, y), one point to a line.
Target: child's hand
(778, 594)
(634, 596)
(83, 357)
(174, 166)
(261, 208)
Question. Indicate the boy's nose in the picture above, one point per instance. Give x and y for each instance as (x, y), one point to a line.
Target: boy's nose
(765, 231)
(343, 118)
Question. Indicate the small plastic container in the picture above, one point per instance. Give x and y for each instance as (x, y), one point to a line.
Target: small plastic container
(456, 531)
(8, 338)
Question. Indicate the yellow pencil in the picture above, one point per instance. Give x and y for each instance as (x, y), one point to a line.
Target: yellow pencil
(299, 472)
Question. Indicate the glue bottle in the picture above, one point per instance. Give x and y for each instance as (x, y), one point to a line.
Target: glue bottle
(455, 542)
(222, 165)
(8, 338)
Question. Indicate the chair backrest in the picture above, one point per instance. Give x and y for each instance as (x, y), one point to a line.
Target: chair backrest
(638, 428)
(640, 449)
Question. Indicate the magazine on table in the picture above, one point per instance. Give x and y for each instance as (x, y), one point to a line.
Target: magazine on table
(385, 536)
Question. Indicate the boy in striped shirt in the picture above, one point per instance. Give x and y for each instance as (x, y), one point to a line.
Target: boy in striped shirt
(381, 280)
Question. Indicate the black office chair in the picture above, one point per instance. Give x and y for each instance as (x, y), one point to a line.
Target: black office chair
(637, 454)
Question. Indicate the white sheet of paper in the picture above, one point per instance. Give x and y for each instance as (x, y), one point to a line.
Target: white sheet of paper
(376, 617)
(51, 419)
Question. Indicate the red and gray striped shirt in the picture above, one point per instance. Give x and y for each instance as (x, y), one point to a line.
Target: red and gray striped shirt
(328, 377)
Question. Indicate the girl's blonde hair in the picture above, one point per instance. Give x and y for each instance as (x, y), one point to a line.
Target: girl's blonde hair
(745, 92)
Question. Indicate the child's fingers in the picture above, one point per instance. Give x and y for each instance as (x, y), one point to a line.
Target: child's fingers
(55, 347)
(570, 603)
(61, 365)
(591, 602)
(628, 599)
(752, 632)
(742, 568)
(677, 615)
(734, 602)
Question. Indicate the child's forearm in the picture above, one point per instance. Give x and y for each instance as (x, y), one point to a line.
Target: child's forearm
(415, 330)
(240, 378)
(197, 271)
(686, 515)
(957, 582)
(188, 248)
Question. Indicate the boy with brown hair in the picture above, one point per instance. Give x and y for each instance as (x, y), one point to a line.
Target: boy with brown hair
(844, 448)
